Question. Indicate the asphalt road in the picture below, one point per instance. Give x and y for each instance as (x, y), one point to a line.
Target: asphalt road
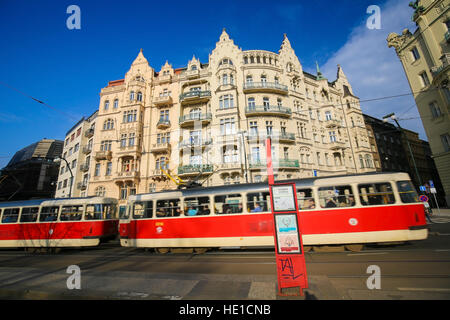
(417, 270)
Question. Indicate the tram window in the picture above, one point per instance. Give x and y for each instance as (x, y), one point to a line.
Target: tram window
(49, 214)
(123, 212)
(337, 196)
(196, 206)
(29, 214)
(142, 209)
(376, 194)
(71, 213)
(407, 192)
(10, 215)
(258, 202)
(110, 211)
(228, 204)
(168, 208)
(305, 199)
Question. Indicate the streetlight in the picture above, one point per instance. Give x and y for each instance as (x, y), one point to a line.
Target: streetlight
(57, 160)
(392, 116)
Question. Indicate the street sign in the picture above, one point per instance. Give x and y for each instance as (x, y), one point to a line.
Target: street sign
(423, 198)
(290, 259)
(315, 173)
(431, 183)
(433, 190)
(422, 188)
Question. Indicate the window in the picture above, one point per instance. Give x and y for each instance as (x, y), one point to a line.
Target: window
(142, 209)
(106, 104)
(123, 140)
(445, 138)
(337, 196)
(29, 214)
(328, 115)
(100, 211)
(226, 101)
(132, 95)
(123, 192)
(253, 128)
(108, 168)
(332, 136)
(435, 110)
(249, 79)
(407, 192)
(415, 54)
(71, 213)
(131, 139)
(424, 78)
(225, 79)
(168, 208)
(49, 214)
(96, 171)
(100, 191)
(10, 215)
(228, 204)
(116, 103)
(105, 145)
(266, 103)
(162, 163)
(258, 202)
(305, 199)
(74, 164)
(227, 126)
(76, 147)
(376, 194)
(226, 61)
(129, 116)
(255, 155)
(251, 103)
(139, 96)
(197, 206)
(269, 128)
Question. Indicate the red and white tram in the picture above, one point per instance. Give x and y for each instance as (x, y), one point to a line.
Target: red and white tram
(349, 210)
(56, 223)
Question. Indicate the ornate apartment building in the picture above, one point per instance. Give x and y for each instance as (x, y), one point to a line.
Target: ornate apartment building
(425, 56)
(75, 164)
(208, 122)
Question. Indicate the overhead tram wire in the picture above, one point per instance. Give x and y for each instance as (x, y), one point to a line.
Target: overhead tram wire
(39, 101)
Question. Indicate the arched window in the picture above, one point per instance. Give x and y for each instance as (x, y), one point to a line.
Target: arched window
(116, 103)
(132, 95)
(106, 104)
(100, 191)
(139, 96)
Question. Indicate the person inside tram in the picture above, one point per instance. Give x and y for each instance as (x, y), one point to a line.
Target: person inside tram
(351, 201)
(330, 203)
(309, 204)
(206, 210)
(191, 211)
(257, 208)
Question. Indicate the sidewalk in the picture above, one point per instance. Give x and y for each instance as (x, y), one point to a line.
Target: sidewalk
(441, 212)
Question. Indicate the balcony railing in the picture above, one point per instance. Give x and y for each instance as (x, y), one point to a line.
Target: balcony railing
(281, 163)
(195, 96)
(190, 143)
(162, 100)
(87, 149)
(436, 70)
(160, 147)
(163, 123)
(89, 133)
(265, 86)
(268, 110)
(195, 117)
(103, 155)
(195, 168)
(82, 185)
(84, 167)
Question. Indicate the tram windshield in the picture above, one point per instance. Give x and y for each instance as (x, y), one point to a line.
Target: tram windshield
(407, 192)
(100, 211)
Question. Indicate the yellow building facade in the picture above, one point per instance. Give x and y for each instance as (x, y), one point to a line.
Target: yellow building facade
(207, 122)
(425, 56)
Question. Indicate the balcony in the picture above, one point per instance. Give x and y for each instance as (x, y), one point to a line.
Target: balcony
(132, 174)
(193, 143)
(82, 185)
(103, 155)
(190, 119)
(164, 78)
(195, 169)
(163, 124)
(195, 96)
(89, 133)
(332, 123)
(271, 87)
(436, 70)
(279, 136)
(84, 167)
(336, 145)
(162, 100)
(161, 148)
(268, 111)
(87, 149)
(281, 164)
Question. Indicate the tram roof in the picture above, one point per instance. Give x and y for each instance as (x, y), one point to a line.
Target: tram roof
(305, 182)
(37, 202)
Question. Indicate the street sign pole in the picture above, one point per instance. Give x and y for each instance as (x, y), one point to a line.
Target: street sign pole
(290, 260)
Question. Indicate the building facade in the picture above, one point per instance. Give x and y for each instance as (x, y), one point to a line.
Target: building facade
(32, 172)
(73, 177)
(207, 122)
(404, 151)
(425, 56)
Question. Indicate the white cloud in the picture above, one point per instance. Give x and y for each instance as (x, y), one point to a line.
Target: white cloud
(374, 70)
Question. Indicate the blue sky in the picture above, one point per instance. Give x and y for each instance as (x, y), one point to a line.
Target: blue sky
(66, 68)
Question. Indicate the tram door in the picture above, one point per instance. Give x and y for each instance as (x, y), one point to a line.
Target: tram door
(125, 225)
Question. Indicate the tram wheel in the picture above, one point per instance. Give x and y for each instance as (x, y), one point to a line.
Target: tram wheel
(162, 250)
(354, 247)
(200, 250)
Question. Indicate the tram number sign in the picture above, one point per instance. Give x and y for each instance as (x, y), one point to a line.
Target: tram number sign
(423, 198)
